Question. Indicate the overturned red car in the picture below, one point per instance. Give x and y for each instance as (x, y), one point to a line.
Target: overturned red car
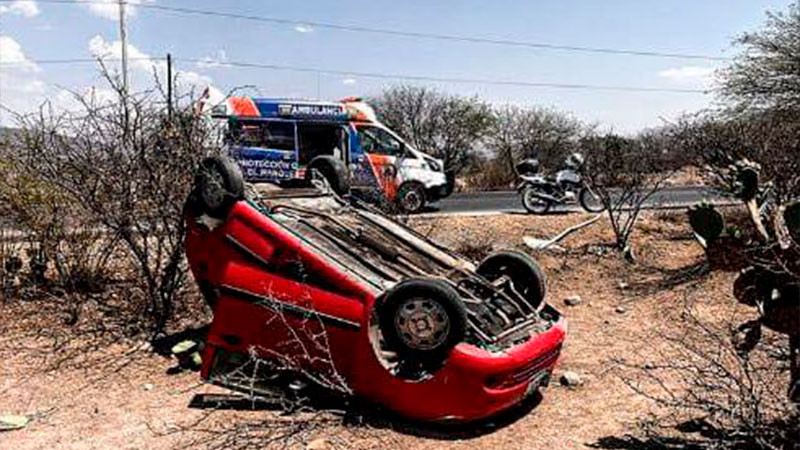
(337, 291)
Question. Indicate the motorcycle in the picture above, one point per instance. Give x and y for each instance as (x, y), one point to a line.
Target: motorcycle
(540, 192)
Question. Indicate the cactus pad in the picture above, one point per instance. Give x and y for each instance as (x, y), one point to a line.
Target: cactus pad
(706, 222)
(746, 184)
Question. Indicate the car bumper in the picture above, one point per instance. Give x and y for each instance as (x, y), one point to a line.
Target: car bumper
(475, 383)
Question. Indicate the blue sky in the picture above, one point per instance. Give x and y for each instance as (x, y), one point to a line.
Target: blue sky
(33, 31)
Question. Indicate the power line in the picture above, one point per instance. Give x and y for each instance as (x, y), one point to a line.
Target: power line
(411, 34)
(485, 81)
(77, 60)
(378, 75)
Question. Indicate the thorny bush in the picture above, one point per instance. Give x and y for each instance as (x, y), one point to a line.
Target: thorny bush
(731, 400)
(117, 172)
(624, 173)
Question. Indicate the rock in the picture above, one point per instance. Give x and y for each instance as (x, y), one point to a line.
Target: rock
(147, 386)
(622, 285)
(573, 300)
(570, 379)
(317, 444)
(621, 309)
(11, 422)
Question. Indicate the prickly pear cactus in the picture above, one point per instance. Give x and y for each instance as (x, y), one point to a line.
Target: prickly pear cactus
(747, 183)
(706, 222)
(770, 280)
(724, 248)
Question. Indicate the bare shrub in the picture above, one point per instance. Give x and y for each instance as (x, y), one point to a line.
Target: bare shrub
(545, 134)
(715, 142)
(122, 168)
(446, 126)
(487, 172)
(702, 384)
(624, 173)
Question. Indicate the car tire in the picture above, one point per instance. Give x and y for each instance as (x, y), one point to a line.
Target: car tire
(333, 170)
(422, 319)
(411, 197)
(526, 276)
(218, 185)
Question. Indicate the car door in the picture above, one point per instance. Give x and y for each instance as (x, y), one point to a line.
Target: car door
(377, 158)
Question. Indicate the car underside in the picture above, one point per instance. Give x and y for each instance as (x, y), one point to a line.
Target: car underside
(400, 315)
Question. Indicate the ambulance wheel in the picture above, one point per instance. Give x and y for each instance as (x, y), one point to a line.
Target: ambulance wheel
(525, 275)
(411, 197)
(422, 319)
(218, 185)
(332, 170)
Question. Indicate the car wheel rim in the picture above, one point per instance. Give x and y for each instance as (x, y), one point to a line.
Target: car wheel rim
(213, 190)
(422, 324)
(319, 181)
(412, 200)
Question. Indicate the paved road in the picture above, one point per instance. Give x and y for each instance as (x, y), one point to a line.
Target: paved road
(510, 201)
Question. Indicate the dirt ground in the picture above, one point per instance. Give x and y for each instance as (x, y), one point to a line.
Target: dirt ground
(125, 396)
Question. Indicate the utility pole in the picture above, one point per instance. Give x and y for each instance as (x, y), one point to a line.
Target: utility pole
(169, 86)
(123, 37)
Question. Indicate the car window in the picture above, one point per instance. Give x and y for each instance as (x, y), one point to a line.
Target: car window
(378, 141)
(263, 134)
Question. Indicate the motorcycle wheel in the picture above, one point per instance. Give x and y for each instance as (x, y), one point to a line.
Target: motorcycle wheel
(591, 201)
(532, 203)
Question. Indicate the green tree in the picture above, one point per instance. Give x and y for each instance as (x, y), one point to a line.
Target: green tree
(766, 74)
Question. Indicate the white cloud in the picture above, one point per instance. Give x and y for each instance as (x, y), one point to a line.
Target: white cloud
(217, 60)
(689, 75)
(303, 29)
(20, 95)
(349, 81)
(100, 48)
(25, 8)
(109, 9)
(21, 88)
(12, 57)
(147, 65)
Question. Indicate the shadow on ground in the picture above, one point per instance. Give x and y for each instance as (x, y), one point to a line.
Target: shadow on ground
(453, 431)
(698, 434)
(667, 279)
(359, 413)
(633, 443)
